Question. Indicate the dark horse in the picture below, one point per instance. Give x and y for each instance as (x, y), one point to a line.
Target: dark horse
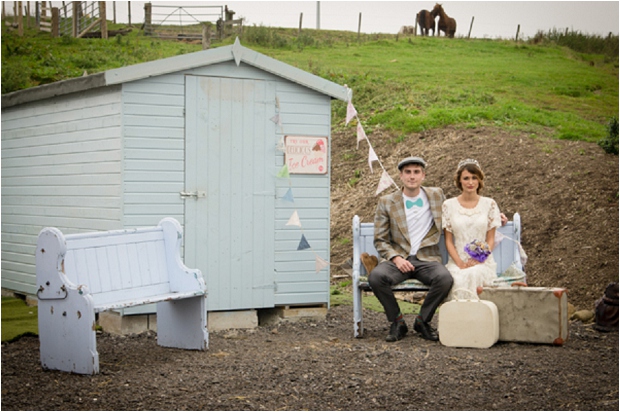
(446, 24)
(426, 22)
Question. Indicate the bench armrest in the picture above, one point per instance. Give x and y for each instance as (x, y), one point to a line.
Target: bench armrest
(182, 278)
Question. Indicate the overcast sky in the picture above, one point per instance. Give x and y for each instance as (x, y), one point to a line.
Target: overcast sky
(492, 19)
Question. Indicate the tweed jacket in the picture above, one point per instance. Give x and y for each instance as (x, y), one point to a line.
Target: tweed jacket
(392, 234)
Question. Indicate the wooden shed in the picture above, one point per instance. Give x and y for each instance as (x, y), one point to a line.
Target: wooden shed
(197, 137)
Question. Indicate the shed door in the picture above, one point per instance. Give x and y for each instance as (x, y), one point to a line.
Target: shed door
(230, 189)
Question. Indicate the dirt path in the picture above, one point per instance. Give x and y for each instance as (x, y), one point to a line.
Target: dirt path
(320, 366)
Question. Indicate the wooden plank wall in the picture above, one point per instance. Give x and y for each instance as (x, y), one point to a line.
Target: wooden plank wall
(61, 166)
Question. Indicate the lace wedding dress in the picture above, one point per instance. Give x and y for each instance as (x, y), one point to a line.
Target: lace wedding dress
(467, 225)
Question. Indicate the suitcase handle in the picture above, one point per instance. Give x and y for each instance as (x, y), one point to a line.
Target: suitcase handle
(467, 290)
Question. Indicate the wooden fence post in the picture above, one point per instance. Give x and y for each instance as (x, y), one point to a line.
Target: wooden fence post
(114, 12)
(359, 27)
(103, 25)
(517, 36)
(470, 26)
(20, 18)
(206, 36)
(301, 17)
(55, 29)
(129, 12)
(147, 19)
(75, 5)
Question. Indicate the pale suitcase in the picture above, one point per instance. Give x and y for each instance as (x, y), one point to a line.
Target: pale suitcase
(468, 324)
(530, 314)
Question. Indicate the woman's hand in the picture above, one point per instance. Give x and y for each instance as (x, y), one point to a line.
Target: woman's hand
(467, 264)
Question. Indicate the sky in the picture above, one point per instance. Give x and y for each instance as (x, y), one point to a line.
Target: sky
(491, 19)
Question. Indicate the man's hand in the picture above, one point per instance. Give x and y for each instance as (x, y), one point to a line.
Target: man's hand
(403, 264)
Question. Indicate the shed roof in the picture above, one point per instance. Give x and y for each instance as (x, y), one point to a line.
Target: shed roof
(235, 52)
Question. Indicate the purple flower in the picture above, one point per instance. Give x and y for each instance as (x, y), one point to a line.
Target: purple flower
(478, 250)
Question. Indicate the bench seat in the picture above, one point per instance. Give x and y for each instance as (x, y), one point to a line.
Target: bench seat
(506, 255)
(80, 275)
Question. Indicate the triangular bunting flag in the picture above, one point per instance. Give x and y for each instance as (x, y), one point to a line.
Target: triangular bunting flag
(320, 263)
(385, 182)
(351, 112)
(303, 244)
(276, 119)
(288, 196)
(281, 146)
(372, 156)
(294, 220)
(361, 135)
(283, 172)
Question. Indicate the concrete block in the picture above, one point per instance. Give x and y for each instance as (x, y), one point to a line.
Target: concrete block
(113, 322)
(237, 319)
(294, 314)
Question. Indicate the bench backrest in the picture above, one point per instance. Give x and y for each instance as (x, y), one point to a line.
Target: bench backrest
(120, 264)
(505, 253)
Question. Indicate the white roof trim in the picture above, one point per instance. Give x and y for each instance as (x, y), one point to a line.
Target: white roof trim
(236, 52)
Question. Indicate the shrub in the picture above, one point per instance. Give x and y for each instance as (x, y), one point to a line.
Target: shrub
(610, 143)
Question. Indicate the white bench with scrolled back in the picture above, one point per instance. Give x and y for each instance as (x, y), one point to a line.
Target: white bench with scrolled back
(506, 254)
(83, 274)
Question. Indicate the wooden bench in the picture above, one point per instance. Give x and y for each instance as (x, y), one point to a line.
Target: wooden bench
(84, 274)
(505, 254)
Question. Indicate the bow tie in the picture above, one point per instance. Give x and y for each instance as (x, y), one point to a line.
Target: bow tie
(410, 204)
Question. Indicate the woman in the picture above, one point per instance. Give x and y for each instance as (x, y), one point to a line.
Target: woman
(466, 218)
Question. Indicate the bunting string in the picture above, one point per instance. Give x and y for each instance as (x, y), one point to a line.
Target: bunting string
(385, 180)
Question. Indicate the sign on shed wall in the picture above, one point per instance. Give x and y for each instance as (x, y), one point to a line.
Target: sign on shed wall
(306, 155)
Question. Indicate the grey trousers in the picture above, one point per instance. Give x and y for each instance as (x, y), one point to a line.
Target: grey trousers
(433, 274)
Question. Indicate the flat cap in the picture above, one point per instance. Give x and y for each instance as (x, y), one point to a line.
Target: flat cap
(411, 160)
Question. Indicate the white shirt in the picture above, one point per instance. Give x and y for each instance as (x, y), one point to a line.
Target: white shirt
(419, 219)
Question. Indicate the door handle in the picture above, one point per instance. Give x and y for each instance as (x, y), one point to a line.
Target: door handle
(195, 194)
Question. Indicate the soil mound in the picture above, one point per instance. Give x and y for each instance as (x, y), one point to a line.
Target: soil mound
(566, 193)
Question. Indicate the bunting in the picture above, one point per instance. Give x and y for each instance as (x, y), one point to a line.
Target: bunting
(361, 135)
(294, 220)
(385, 181)
(303, 244)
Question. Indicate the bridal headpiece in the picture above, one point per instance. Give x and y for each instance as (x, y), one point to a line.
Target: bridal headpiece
(468, 162)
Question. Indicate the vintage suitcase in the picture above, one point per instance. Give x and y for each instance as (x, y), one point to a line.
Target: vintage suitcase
(530, 314)
(468, 324)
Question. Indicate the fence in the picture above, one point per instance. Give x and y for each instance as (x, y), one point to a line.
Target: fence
(178, 22)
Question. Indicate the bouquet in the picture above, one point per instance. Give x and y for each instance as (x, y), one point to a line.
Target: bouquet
(478, 250)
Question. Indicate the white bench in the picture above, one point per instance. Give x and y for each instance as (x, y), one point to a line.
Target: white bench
(505, 254)
(84, 274)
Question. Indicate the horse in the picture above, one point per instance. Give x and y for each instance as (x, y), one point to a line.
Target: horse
(446, 24)
(426, 22)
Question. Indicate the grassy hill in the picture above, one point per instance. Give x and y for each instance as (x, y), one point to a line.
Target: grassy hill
(402, 84)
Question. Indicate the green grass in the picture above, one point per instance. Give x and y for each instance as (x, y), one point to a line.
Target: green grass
(564, 86)
(340, 297)
(18, 319)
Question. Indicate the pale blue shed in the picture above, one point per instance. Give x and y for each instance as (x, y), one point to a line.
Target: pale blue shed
(195, 137)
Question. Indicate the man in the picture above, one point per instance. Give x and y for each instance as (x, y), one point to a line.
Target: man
(407, 232)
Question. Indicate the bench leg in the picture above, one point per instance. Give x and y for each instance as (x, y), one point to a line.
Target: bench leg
(183, 323)
(67, 334)
(358, 321)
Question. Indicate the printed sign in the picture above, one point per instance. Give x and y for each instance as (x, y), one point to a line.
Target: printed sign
(306, 155)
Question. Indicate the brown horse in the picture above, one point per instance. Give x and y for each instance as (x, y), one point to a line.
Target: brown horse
(426, 22)
(446, 24)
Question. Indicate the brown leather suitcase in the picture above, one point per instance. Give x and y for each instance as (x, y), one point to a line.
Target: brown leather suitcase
(530, 314)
